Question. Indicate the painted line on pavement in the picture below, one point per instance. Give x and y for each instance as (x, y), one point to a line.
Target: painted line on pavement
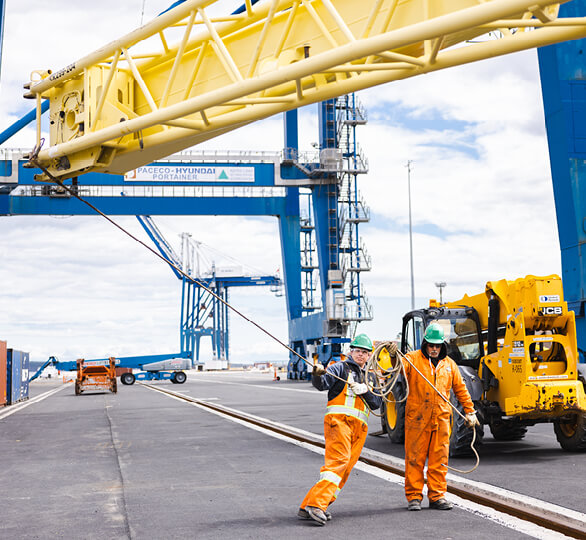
(24, 404)
(315, 392)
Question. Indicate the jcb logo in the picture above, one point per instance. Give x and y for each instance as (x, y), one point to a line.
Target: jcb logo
(551, 310)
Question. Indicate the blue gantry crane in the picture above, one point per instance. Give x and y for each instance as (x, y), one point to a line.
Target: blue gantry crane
(563, 81)
(204, 311)
(314, 195)
(332, 252)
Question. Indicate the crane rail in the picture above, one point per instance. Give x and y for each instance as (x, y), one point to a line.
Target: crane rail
(555, 522)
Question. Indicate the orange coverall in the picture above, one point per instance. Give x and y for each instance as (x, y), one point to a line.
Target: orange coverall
(427, 422)
(345, 430)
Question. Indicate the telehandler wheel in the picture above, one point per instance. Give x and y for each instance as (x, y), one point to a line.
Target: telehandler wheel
(127, 378)
(393, 419)
(179, 377)
(571, 434)
(461, 434)
(507, 430)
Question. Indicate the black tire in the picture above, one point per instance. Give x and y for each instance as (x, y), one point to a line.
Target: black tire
(179, 377)
(571, 433)
(507, 430)
(127, 378)
(461, 434)
(393, 419)
(77, 388)
(114, 386)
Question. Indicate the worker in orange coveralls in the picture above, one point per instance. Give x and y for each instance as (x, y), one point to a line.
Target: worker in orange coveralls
(427, 418)
(345, 426)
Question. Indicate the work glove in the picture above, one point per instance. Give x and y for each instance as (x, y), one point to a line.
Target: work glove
(472, 419)
(357, 388)
(392, 348)
(318, 370)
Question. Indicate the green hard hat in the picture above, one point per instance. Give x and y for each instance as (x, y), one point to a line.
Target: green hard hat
(434, 333)
(361, 341)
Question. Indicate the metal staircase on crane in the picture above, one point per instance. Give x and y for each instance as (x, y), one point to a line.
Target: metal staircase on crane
(332, 254)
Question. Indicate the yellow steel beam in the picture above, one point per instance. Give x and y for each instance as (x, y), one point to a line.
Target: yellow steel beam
(119, 107)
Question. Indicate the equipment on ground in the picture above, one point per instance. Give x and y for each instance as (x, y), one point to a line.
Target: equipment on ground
(515, 345)
(96, 375)
(163, 369)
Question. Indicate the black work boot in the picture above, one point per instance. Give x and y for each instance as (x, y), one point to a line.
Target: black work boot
(414, 504)
(441, 504)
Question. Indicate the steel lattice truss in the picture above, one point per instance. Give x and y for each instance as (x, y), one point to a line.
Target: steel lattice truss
(188, 76)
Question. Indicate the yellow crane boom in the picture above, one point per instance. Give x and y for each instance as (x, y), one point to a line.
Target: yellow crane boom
(139, 98)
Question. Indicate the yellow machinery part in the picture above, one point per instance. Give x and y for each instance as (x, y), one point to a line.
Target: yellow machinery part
(535, 366)
(186, 77)
(553, 398)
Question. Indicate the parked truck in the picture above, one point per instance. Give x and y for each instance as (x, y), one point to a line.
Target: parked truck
(515, 345)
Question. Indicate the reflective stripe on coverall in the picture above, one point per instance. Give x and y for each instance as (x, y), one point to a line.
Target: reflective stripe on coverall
(427, 423)
(345, 430)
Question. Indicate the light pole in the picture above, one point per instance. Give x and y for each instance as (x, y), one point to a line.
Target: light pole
(410, 234)
(440, 285)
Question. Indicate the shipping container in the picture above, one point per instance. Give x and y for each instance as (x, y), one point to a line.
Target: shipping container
(3, 378)
(24, 376)
(17, 375)
(13, 373)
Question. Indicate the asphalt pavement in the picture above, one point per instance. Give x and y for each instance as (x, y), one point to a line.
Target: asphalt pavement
(139, 464)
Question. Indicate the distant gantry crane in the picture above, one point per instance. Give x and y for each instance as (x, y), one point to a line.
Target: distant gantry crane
(202, 313)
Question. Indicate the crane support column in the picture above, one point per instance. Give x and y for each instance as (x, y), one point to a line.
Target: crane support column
(563, 69)
(290, 231)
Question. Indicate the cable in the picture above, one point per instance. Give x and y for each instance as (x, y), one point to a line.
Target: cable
(389, 377)
(33, 160)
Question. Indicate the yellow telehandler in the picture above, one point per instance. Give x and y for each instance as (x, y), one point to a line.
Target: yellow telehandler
(515, 345)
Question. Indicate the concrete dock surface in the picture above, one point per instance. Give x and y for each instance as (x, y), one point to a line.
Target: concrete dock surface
(143, 465)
